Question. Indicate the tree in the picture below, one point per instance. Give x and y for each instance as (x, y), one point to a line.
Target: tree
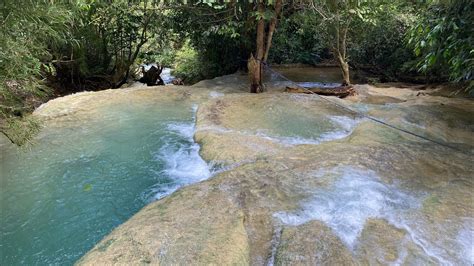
(299, 38)
(379, 47)
(111, 38)
(59, 45)
(127, 26)
(202, 27)
(443, 40)
(263, 41)
(338, 15)
(28, 32)
(232, 26)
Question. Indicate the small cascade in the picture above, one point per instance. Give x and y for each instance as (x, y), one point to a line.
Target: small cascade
(180, 154)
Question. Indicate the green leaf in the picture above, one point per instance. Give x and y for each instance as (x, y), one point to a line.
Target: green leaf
(417, 51)
(87, 187)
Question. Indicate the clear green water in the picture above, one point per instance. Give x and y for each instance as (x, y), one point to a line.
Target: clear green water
(84, 178)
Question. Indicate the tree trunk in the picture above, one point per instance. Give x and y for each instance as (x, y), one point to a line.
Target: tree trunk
(255, 63)
(255, 74)
(345, 71)
(271, 28)
(341, 49)
(343, 65)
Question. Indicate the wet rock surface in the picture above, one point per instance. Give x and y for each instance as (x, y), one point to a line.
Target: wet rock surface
(305, 182)
(311, 243)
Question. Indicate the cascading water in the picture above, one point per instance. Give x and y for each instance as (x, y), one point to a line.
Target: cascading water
(357, 195)
(183, 164)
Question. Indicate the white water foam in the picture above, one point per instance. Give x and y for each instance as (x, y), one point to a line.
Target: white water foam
(290, 141)
(216, 94)
(183, 160)
(347, 125)
(183, 164)
(465, 238)
(437, 240)
(356, 196)
(325, 85)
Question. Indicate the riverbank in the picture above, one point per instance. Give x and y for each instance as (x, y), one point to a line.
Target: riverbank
(309, 183)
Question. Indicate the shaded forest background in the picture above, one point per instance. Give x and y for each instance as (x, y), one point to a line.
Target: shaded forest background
(52, 48)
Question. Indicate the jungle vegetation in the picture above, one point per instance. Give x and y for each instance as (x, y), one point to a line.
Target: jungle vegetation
(52, 48)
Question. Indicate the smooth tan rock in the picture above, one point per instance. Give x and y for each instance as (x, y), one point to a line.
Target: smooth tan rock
(312, 243)
(382, 243)
(229, 219)
(179, 230)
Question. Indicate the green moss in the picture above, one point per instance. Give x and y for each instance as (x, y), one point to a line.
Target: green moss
(21, 131)
(431, 202)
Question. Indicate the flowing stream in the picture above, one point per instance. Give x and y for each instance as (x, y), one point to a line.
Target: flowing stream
(388, 199)
(82, 179)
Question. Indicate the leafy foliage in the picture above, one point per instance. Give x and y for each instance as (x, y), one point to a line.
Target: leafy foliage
(187, 64)
(443, 39)
(299, 38)
(68, 46)
(378, 46)
(220, 36)
(29, 30)
(20, 131)
(111, 36)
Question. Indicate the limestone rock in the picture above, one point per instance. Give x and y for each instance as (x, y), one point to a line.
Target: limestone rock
(312, 243)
